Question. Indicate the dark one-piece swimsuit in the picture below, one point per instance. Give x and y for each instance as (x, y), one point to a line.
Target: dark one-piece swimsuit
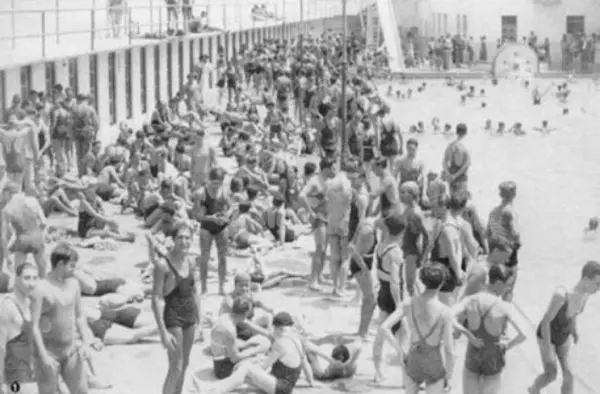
(286, 376)
(489, 359)
(180, 304)
(561, 327)
(385, 299)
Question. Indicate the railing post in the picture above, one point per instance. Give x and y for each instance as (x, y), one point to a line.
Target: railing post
(224, 17)
(57, 6)
(93, 29)
(13, 22)
(160, 23)
(151, 5)
(43, 33)
(129, 23)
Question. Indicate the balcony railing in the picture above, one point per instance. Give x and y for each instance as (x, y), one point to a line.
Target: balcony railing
(47, 28)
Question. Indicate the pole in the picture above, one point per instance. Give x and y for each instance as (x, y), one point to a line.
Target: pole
(301, 24)
(57, 7)
(344, 80)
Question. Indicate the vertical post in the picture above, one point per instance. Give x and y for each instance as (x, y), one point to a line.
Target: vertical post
(151, 10)
(43, 33)
(301, 22)
(160, 22)
(57, 9)
(13, 23)
(93, 29)
(129, 23)
(224, 17)
(283, 16)
(344, 79)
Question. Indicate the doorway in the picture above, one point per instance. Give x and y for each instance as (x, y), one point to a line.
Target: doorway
(575, 24)
(509, 28)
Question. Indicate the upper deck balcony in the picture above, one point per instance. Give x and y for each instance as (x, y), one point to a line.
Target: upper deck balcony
(31, 30)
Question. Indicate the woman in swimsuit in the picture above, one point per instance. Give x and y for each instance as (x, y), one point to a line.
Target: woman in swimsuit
(430, 358)
(483, 317)
(175, 304)
(558, 329)
(286, 359)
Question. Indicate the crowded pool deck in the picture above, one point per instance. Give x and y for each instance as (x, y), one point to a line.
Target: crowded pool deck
(550, 235)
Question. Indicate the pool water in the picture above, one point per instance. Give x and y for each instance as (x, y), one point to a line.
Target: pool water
(558, 178)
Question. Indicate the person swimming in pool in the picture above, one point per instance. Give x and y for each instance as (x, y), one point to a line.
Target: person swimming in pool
(557, 332)
(23, 216)
(484, 318)
(430, 358)
(457, 161)
(286, 360)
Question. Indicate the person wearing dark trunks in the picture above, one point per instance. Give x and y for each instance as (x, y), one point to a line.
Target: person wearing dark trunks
(121, 326)
(446, 249)
(17, 350)
(430, 357)
(286, 360)
(242, 283)
(175, 304)
(390, 262)
(275, 221)
(416, 235)
(211, 209)
(23, 216)
(557, 332)
(484, 317)
(227, 350)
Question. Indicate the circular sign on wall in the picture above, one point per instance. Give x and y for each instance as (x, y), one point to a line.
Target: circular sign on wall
(515, 61)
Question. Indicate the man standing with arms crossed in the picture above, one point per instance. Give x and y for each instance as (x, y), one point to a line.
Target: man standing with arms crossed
(57, 319)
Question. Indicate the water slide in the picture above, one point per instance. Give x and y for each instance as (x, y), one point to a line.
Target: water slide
(391, 38)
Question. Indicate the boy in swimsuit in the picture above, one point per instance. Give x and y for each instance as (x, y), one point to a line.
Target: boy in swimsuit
(557, 332)
(430, 358)
(483, 317)
(17, 348)
(341, 361)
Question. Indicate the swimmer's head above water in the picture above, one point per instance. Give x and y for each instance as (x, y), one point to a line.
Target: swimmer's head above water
(593, 224)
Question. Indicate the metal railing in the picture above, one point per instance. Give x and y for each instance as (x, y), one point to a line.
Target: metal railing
(43, 27)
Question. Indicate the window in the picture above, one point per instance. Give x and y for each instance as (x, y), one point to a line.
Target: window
(219, 46)
(128, 87)
(94, 80)
(73, 75)
(234, 39)
(227, 45)
(575, 24)
(202, 47)
(26, 82)
(50, 77)
(143, 86)
(170, 69)
(192, 55)
(157, 73)
(246, 37)
(112, 87)
(181, 68)
(210, 49)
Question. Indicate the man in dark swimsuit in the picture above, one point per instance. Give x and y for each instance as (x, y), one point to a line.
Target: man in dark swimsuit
(388, 189)
(457, 161)
(211, 209)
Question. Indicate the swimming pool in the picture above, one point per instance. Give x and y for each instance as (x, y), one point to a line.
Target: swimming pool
(558, 178)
